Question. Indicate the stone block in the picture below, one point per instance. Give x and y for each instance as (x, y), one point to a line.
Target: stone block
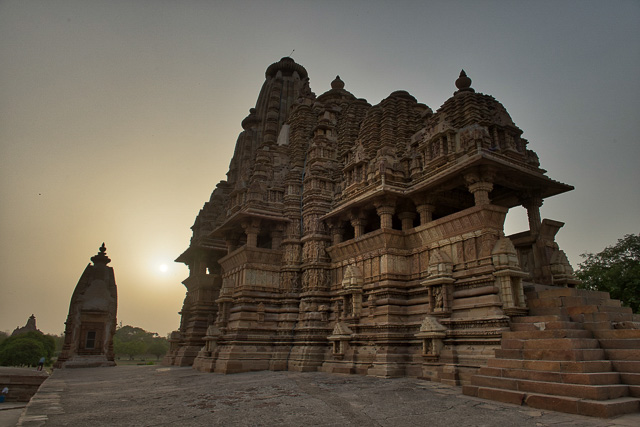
(560, 343)
(622, 354)
(552, 403)
(505, 363)
(494, 382)
(608, 409)
(542, 365)
(626, 365)
(611, 334)
(631, 378)
(507, 396)
(586, 366)
(621, 344)
(470, 390)
(591, 378)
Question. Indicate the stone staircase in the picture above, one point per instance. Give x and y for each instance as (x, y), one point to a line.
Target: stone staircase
(578, 352)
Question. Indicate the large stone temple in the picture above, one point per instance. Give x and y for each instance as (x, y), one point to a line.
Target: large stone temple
(91, 323)
(360, 239)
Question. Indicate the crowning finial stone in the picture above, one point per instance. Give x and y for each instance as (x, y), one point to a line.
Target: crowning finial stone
(102, 257)
(463, 83)
(337, 83)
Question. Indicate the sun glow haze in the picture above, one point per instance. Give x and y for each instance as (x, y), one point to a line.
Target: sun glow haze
(118, 119)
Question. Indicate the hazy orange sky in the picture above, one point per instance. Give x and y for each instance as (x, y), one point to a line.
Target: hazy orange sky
(118, 118)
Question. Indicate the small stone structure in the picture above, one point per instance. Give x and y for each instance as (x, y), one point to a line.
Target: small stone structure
(370, 240)
(21, 382)
(29, 327)
(91, 323)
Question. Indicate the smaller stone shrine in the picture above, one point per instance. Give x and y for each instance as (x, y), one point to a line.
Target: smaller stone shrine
(91, 323)
(29, 327)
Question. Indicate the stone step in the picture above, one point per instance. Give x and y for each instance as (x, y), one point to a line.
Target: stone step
(547, 333)
(626, 365)
(631, 378)
(572, 302)
(566, 292)
(619, 316)
(593, 408)
(553, 365)
(543, 326)
(619, 334)
(621, 344)
(571, 405)
(538, 319)
(551, 343)
(583, 391)
(590, 378)
(549, 354)
(581, 310)
(622, 354)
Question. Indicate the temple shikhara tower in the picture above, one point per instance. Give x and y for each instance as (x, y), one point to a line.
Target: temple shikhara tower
(91, 323)
(368, 239)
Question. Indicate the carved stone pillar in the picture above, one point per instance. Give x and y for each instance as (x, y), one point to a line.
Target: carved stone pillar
(480, 191)
(337, 231)
(385, 211)
(276, 237)
(252, 228)
(532, 205)
(358, 222)
(407, 220)
(426, 212)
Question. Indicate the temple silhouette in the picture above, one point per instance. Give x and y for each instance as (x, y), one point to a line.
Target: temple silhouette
(369, 239)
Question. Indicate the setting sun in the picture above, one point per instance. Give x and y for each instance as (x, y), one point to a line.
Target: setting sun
(163, 268)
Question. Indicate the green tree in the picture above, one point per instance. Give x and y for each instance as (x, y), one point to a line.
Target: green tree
(132, 341)
(615, 270)
(158, 347)
(21, 352)
(3, 336)
(26, 349)
(129, 348)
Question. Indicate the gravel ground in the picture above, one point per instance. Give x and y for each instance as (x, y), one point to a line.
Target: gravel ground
(163, 396)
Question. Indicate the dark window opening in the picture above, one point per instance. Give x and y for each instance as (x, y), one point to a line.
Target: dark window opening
(372, 223)
(349, 232)
(91, 340)
(264, 241)
(396, 223)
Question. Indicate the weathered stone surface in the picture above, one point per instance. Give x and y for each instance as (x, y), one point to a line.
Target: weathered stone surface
(91, 323)
(345, 231)
(148, 396)
(564, 364)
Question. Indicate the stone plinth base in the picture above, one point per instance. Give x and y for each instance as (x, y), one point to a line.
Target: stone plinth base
(85, 362)
(21, 382)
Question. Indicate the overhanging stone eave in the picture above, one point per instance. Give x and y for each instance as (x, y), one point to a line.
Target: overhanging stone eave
(233, 221)
(213, 245)
(362, 199)
(450, 177)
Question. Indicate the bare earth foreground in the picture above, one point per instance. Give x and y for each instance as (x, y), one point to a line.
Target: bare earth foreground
(158, 396)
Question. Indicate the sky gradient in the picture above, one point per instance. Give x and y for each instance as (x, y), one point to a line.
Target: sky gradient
(118, 118)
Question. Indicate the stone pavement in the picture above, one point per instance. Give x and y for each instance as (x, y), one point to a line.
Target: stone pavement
(163, 396)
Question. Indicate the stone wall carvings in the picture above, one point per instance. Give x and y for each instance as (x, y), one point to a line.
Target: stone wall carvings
(366, 239)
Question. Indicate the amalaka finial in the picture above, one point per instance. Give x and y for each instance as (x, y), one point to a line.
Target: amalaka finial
(101, 257)
(337, 83)
(463, 83)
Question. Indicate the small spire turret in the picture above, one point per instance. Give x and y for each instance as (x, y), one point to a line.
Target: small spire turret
(463, 83)
(337, 83)
(101, 257)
